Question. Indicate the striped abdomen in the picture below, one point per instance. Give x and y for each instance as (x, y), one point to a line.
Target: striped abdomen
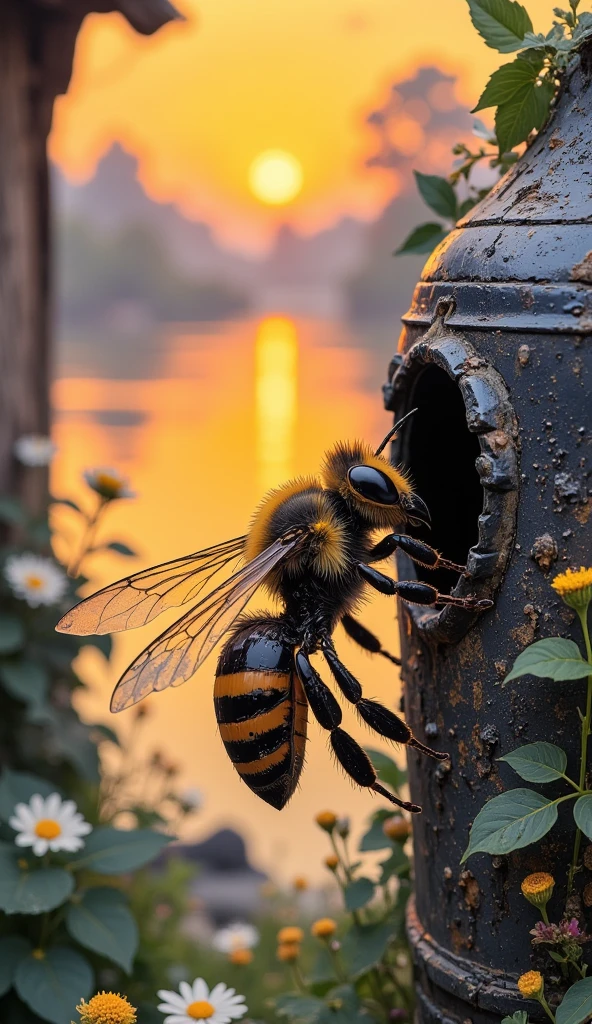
(261, 710)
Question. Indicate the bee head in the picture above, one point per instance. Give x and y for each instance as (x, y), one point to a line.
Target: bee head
(379, 492)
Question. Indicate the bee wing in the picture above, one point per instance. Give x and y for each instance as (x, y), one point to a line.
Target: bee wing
(135, 600)
(177, 653)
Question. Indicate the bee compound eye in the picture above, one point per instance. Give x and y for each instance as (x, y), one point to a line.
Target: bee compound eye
(373, 485)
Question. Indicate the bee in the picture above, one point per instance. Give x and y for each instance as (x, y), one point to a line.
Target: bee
(312, 544)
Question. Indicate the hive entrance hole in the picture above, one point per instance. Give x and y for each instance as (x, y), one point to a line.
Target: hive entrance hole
(440, 453)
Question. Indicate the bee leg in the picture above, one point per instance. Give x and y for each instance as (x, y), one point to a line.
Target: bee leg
(379, 718)
(365, 638)
(327, 712)
(418, 593)
(417, 550)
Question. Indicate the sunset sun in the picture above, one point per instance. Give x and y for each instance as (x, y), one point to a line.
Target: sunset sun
(275, 177)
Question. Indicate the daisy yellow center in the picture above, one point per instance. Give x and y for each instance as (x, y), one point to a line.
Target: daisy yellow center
(34, 582)
(200, 1010)
(48, 828)
(110, 482)
(534, 885)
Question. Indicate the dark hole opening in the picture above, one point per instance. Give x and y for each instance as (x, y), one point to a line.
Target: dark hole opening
(440, 452)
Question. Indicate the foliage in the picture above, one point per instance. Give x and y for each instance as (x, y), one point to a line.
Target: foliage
(66, 914)
(521, 817)
(362, 967)
(522, 92)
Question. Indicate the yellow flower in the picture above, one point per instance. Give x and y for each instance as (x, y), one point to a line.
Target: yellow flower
(241, 957)
(300, 883)
(327, 820)
(530, 985)
(324, 928)
(290, 934)
(332, 862)
(397, 827)
(288, 952)
(574, 587)
(107, 1008)
(538, 888)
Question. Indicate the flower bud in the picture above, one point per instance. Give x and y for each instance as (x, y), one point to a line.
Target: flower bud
(324, 928)
(291, 933)
(332, 862)
(288, 952)
(327, 820)
(538, 888)
(397, 828)
(242, 957)
(531, 985)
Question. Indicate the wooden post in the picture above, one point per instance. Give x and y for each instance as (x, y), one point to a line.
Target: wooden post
(36, 50)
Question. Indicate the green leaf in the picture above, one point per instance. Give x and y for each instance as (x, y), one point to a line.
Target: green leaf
(103, 923)
(30, 891)
(537, 762)
(342, 1006)
(374, 838)
(121, 549)
(510, 821)
(423, 239)
(67, 502)
(111, 851)
(552, 658)
(576, 1005)
(387, 770)
(528, 109)
(396, 864)
(12, 634)
(583, 814)
(506, 82)
(299, 1009)
(13, 949)
(501, 23)
(518, 1017)
(438, 193)
(358, 893)
(25, 679)
(364, 946)
(18, 788)
(104, 732)
(53, 986)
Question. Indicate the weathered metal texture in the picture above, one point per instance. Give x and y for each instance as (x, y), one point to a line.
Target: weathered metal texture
(495, 352)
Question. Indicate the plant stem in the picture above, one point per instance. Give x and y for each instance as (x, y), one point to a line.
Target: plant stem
(299, 980)
(546, 1008)
(88, 537)
(583, 616)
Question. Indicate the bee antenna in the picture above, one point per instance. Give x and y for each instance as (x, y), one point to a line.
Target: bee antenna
(392, 432)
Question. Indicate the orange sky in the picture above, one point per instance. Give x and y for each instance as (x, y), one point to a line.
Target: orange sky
(201, 99)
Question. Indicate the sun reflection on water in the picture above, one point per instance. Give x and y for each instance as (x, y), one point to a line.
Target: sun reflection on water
(276, 397)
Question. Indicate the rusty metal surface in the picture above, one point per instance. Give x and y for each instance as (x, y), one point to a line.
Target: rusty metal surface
(504, 309)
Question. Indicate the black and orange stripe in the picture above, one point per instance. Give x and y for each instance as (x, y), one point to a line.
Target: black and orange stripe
(261, 710)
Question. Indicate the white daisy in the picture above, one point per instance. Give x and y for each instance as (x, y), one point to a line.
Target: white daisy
(196, 1002)
(34, 450)
(238, 935)
(51, 824)
(109, 483)
(35, 580)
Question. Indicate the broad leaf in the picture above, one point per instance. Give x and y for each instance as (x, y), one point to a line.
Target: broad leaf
(13, 949)
(510, 821)
(358, 893)
(111, 851)
(438, 193)
(12, 634)
(422, 240)
(102, 922)
(506, 82)
(68, 503)
(30, 890)
(53, 985)
(374, 838)
(11, 510)
(583, 814)
(25, 679)
(18, 788)
(364, 946)
(576, 1005)
(537, 762)
(121, 549)
(518, 1017)
(396, 864)
(528, 110)
(552, 658)
(299, 1009)
(387, 770)
(501, 23)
